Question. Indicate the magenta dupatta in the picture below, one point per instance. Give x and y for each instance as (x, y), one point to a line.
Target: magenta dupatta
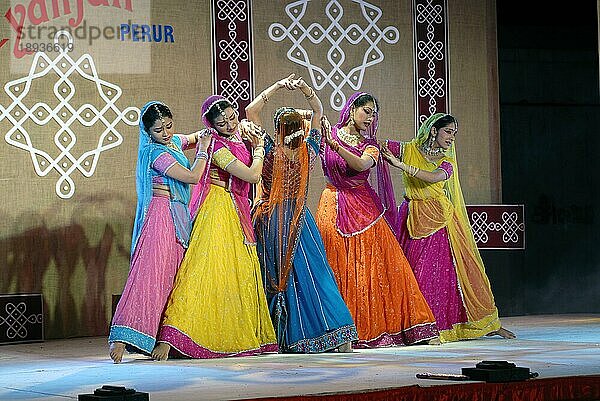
(238, 188)
(359, 205)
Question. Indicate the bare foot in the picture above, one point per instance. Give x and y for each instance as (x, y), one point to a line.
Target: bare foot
(116, 350)
(502, 332)
(434, 341)
(346, 347)
(161, 352)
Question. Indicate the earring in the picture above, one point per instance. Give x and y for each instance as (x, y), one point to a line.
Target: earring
(351, 122)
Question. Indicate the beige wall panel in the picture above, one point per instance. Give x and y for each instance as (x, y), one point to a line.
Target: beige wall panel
(76, 250)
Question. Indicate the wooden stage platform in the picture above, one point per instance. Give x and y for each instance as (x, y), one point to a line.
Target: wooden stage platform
(565, 347)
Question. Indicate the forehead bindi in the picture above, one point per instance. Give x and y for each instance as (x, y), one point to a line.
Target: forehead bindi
(228, 115)
(160, 124)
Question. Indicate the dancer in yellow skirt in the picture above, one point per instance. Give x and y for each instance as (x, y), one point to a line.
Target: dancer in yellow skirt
(218, 307)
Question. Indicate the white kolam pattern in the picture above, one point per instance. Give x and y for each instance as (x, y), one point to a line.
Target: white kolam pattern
(336, 40)
(60, 110)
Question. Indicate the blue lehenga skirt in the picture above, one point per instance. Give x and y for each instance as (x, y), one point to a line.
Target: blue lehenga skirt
(310, 316)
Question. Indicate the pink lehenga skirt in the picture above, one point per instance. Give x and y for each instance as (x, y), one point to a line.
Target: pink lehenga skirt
(432, 262)
(154, 264)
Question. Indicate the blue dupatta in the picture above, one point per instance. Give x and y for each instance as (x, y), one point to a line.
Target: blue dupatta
(148, 151)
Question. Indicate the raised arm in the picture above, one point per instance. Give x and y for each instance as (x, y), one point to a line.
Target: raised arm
(255, 107)
(313, 100)
(250, 174)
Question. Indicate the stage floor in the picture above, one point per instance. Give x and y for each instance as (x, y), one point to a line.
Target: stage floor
(552, 345)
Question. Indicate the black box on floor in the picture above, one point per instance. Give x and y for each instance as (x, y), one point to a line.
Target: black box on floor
(114, 393)
(497, 372)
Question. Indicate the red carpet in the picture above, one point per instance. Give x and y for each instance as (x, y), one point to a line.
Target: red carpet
(577, 388)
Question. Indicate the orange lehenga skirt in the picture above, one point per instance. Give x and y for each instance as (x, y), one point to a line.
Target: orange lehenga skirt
(375, 281)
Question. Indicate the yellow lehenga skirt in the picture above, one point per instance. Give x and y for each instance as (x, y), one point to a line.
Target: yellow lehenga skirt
(218, 306)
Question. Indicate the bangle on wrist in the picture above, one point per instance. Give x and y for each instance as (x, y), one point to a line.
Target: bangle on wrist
(408, 169)
(310, 95)
(202, 155)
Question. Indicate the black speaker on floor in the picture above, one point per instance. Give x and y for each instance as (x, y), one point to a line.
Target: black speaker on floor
(498, 372)
(114, 393)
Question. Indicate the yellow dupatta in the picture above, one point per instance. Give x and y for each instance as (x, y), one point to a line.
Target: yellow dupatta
(438, 205)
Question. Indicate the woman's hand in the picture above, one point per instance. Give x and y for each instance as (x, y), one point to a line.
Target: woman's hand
(300, 83)
(326, 132)
(204, 136)
(253, 133)
(248, 130)
(287, 83)
(388, 155)
(203, 139)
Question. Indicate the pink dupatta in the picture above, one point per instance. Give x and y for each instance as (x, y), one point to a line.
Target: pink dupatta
(361, 200)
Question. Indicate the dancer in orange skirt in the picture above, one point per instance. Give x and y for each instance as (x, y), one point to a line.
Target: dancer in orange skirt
(372, 273)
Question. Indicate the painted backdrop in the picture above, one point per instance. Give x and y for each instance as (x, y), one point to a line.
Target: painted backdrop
(75, 73)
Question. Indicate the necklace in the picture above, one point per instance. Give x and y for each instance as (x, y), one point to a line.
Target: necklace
(431, 151)
(348, 137)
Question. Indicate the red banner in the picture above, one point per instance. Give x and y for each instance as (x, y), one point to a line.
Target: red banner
(498, 226)
(232, 51)
(430, 24)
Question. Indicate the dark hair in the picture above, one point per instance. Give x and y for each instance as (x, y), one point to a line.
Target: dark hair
(216, 110)
(152, 114)
(364, 99)
(444, 121)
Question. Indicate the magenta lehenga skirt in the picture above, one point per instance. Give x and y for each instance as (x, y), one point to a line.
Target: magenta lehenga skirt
(433, 264)
(154, 264)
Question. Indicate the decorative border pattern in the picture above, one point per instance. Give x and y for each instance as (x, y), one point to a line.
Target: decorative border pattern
(233, 72)
(498, 226)
(21, 318)
(430, 26)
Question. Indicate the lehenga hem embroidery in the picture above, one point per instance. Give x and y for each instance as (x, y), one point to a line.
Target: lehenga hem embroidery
(412, 335)
(142, 342)
(325, 342)
(172, 336)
